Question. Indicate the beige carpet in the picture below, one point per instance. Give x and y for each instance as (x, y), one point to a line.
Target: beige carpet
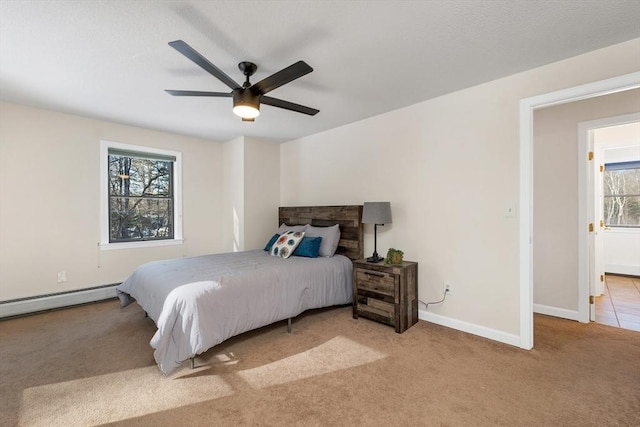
(92, 365)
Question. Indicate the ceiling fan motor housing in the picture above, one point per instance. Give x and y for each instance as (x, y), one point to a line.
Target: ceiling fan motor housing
(244, 97)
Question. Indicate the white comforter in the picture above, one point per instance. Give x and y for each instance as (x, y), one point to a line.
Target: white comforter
(199, 302)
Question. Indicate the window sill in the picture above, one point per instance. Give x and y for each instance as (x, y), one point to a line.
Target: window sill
(622, 230)
(143, 244)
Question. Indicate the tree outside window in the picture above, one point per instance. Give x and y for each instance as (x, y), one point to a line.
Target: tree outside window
(621, 182)
(141, 196)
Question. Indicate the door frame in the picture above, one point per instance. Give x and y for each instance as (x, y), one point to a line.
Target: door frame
(590, 252)
(527, 107)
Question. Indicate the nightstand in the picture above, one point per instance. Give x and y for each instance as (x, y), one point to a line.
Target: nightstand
(386, 293)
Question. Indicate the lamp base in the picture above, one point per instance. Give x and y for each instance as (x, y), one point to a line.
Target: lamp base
(375, 258)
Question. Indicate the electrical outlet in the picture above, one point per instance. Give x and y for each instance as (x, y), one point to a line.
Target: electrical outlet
(447, 288)
(62, 276)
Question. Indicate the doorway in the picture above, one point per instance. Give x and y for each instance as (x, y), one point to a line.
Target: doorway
(611, 140)
(560, 147)
(527, 107)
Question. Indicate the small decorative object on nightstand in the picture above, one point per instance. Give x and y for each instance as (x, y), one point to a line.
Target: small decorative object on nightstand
(394, 256)
(386, 293)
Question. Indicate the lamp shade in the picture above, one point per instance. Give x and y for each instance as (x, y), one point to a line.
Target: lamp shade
(376, 213)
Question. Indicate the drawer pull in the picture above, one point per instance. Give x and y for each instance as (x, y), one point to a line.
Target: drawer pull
(369, 273)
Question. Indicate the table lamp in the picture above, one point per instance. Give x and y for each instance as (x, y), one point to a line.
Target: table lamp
(376, 213)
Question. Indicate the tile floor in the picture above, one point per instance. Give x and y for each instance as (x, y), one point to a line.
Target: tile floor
(620, 304)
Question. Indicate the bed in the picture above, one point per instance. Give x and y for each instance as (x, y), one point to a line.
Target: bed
(199, 302)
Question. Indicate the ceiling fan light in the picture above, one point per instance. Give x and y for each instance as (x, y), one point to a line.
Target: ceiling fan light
(246, 111)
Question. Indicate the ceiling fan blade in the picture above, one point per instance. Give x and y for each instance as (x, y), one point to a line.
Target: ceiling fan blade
(275, 102)
(203, 62)
(198, 93)
(283, 76)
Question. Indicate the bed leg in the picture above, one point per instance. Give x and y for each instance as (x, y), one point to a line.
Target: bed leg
(193, 362)
(289, 325)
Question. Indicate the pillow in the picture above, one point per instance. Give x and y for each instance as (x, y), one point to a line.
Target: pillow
(330, 238)
(271, 241)
(284, 227)
(309, 247)
(287, 243)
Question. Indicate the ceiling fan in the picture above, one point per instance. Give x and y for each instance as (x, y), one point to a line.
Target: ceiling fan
(248, 97)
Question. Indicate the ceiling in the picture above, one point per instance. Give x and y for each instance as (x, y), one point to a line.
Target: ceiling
(110, 59)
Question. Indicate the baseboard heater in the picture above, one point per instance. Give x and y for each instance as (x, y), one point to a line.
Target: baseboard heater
(29, 305)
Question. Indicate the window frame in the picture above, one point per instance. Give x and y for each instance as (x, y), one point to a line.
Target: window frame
(618, 166)
(105, 244)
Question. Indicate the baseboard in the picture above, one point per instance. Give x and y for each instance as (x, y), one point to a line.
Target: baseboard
(625, 270)
(23, 306)
(556, 312)
(471, 328)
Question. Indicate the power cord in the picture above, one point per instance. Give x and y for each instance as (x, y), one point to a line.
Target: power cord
(426, 304)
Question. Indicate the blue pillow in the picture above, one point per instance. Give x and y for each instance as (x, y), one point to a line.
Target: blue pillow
(271, 242)
(308, 247)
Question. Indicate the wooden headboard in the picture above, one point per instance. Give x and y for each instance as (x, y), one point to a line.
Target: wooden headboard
(348, 217)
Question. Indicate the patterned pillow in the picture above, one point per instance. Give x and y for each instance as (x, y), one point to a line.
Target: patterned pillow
(287, 243)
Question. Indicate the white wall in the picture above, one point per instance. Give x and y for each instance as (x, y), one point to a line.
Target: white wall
(49, 204)
(233, 213)
(555, 195)
(252, 192)
(621, 246)
(622, 252)
(449, 167)
(261, 192)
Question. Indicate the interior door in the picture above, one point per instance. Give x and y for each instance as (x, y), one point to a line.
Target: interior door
(599, 215)
(592, 217)
(596, 218)
(596, 286)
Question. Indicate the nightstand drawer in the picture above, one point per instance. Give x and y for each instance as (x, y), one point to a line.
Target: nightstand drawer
(376, 281)
(377, 309)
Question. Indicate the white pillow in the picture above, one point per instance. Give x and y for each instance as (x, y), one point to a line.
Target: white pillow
(284, 227)
(330, 238)
(287, 243)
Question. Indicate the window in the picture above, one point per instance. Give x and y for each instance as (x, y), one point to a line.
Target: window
(141, 200)
(621, 183)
